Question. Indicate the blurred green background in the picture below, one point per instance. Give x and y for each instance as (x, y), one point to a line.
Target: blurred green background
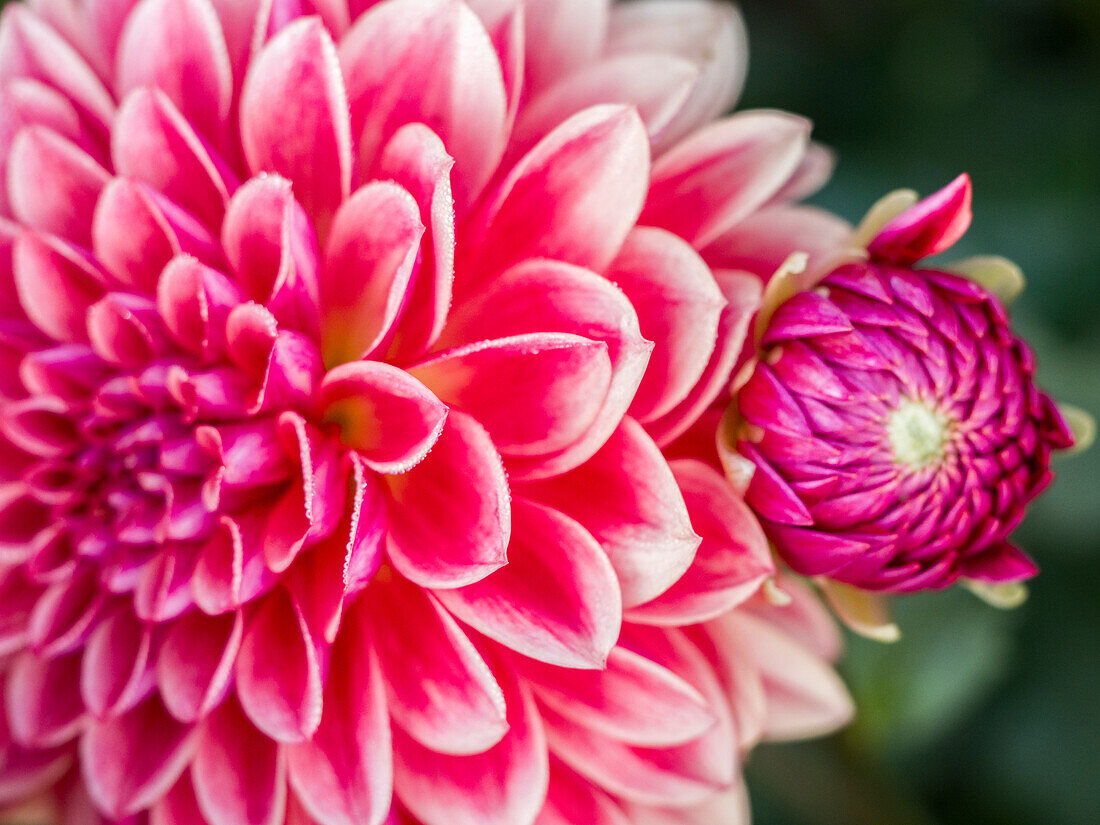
(977, 717)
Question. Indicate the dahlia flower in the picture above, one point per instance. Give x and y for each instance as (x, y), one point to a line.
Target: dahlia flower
(889, 425)
(339, 344)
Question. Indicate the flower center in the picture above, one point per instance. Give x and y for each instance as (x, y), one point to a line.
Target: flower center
(918, 433)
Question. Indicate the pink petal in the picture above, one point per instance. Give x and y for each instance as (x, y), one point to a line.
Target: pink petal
(812, 173)
(433, 63)
(534, 393)
(56, 285)
(42, 700)
(177, 46)
(178, 806)
(416, 160)
(633, 699)
(369, 263)
(65, 614)
(732, 562)
(156, 232)
(710, 35)
(805, 696)
(656, 84)
(743, 293)
(273, 250)
(340, 566)
(729, 807)
(385, 413)
(195, 664)
(443, 534)
(278, 670)
(764, 240)
(194, 302)
(153, 142)
(574, 799)
(117, 668)
(572, 198)
(724, 172)
(28, 773)
(505, 785)
(566, 35)
(805, 618)
(31, 48)
(928, 228)
(444, 695)
(294, 117)
(124, 768)
(679, 306)
(231, 570)
(53, 184)
(239, 774)
(679, 775)
(557, 599)
(41, 426)
(548, 296)
(627, 498)
(126, 330)
(344, 774)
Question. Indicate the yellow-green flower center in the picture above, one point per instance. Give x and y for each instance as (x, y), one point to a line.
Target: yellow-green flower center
(918, 433)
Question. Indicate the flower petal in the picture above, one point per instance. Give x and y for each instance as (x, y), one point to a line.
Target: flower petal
(195, 665)
(239, 774)
(534, 393)
(125, 769)
(679, 306)
(385, 413)
(444, 695)
(53, 185)
(723, 172)
(42, 700)
(177, 46)
(710, 35)
(443, 534)
(573, 197)
(156, 232)
(56, 285)
(505, 785)
(764, 240)
(550, 296)
(152, 142)
(567, 34)
(732, 562)
(117, 668)
(627, 498)
(657, 84)
(633, 699)
(429, 62)
(927, 228)
(294, 117)
(273, 250)
(278, 671)
(679, 775)
(742, 292)
(369, 262)
(805, 696)
(557, 599)
(417, 160)
(344, 774)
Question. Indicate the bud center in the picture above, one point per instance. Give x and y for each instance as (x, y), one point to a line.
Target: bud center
(918, 433)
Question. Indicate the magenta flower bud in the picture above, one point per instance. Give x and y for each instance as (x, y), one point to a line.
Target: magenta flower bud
(893, 419)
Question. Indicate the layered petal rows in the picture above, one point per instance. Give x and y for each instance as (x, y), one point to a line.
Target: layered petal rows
(339, 344)
(892, 424)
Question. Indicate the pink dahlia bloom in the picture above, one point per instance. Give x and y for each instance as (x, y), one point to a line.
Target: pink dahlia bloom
(338, 340)
(892, 422)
